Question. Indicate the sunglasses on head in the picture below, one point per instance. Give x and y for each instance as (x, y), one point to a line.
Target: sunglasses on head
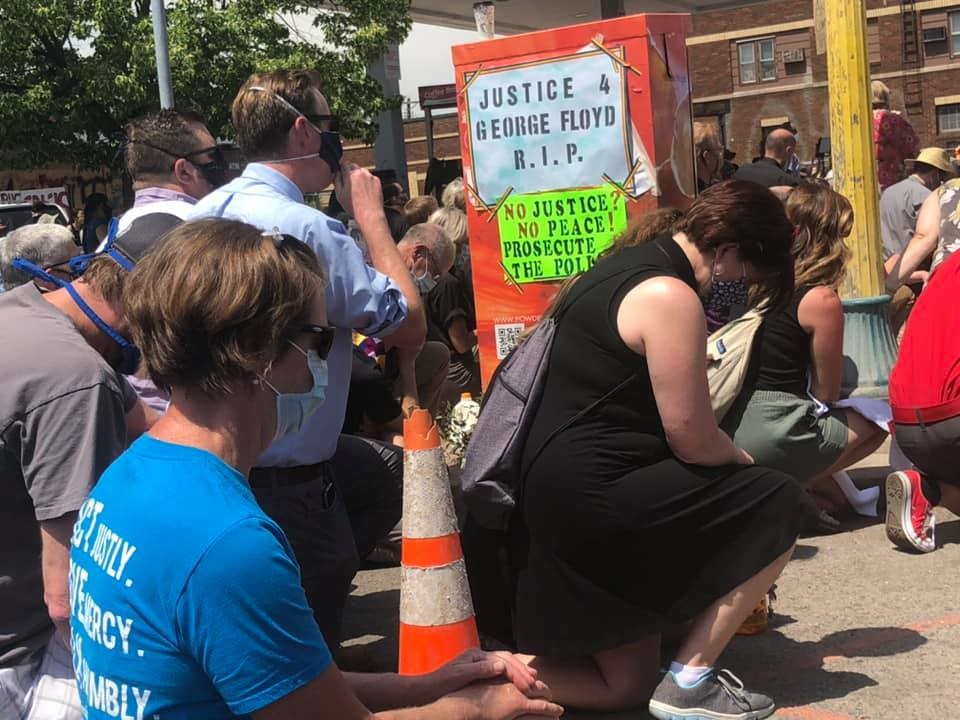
(321, 338)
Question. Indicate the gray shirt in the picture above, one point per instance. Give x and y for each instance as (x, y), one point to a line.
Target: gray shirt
(899, 207)
(61, 424)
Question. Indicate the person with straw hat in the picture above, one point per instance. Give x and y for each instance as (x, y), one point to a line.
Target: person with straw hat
(899, 209)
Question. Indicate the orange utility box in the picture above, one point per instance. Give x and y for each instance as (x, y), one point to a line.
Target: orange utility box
(565, 135)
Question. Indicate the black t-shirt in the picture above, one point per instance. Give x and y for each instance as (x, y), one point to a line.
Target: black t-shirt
(766, 172)
(464, 275)
(370, 395)
(444, 305)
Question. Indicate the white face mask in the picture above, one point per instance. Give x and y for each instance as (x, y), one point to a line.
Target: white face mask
(293, 409)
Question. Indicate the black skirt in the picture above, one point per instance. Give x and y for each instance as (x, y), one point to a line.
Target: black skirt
(613, 560)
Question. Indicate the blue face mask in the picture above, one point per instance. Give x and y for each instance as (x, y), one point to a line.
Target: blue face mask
(129, 361)
(293, 409)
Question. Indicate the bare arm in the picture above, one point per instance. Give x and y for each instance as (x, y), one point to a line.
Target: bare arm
(663, 319)
(462, 339)
(921, 246)
(821, 315)
(332, 690)
(55, 563)
(360, 194)
(407, 381)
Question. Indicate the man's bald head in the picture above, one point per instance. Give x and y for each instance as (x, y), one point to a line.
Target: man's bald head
(781, 144)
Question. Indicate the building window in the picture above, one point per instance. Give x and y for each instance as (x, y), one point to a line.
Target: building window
(758, 61)
(955, 33)
(948, 118)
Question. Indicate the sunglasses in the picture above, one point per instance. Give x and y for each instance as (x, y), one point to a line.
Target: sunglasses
(64, 271)
(321, 338)
(216, 154)
(317, 120)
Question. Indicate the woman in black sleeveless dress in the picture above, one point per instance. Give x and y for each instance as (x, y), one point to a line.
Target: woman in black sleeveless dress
(643, 514)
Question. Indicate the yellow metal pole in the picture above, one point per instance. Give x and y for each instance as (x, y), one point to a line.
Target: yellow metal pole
(851, 141)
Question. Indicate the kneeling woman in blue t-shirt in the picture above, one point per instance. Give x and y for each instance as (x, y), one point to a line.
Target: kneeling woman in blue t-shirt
(185, 597)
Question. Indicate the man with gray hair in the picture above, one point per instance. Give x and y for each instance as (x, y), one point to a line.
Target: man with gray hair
(48, 246)
(429, 254)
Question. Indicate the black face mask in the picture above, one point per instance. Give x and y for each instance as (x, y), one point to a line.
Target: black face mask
(331, 149)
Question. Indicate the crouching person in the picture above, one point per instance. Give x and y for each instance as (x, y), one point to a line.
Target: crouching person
(209, 617)
(65, 415)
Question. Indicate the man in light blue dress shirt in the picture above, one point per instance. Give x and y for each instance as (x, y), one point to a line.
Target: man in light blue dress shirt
(282, 125)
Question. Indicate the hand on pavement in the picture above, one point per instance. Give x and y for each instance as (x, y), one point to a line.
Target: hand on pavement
(498, 701)
(358, 190)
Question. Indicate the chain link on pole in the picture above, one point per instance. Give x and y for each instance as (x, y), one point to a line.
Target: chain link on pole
(160, 43)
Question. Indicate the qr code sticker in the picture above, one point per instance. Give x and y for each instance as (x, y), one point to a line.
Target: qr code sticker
(508, 336)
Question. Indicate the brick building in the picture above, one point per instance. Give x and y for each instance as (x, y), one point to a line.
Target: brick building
(757, 66)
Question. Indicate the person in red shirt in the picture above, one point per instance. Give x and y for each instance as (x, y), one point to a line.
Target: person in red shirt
(925, 398)
(894, 137)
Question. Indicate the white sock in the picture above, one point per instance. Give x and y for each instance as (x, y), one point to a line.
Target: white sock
(863, 502)
(689, 675)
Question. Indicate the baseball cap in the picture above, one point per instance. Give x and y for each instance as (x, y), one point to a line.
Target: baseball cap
(130, 246)
(936, 157)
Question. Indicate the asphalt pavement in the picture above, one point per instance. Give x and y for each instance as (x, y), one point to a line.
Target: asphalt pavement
(861, 630)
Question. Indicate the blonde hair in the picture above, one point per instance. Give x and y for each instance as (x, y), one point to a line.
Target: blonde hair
(453, 195)
(216, 301)
(705, 136)
(879, 94)
(822, 218)
(454, 221)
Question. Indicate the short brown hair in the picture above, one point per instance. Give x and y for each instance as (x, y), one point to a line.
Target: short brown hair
(260, 120)
(419, 209)
(107, 279)
(154, 142)
(215, 302)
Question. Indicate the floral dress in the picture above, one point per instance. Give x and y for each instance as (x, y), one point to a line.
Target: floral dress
(949, 222)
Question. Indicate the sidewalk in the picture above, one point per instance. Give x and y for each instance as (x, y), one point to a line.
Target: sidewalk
(862, 631)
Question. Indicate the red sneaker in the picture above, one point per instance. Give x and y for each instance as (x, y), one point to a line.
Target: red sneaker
(910, 521)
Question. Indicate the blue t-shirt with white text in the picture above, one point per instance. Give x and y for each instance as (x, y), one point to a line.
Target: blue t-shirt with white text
(185, 597)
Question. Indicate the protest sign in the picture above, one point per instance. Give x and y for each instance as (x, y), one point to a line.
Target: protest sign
(57, 195)
(566, 134)
(551, 123)
(551, 236)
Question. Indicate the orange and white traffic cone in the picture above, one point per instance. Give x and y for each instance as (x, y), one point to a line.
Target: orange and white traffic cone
(436, 610)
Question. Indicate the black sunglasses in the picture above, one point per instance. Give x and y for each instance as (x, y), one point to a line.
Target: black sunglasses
(334, 121)
(321, 338)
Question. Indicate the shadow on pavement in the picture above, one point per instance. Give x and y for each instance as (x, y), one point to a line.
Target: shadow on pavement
(797, 673)
(804, 552)
(948, 533)
(372, 621)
